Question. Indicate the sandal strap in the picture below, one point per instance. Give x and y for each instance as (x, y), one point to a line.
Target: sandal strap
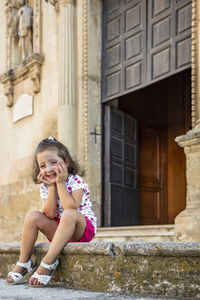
(44, 279)
(52, 266)
(27, 265)
(15, 276)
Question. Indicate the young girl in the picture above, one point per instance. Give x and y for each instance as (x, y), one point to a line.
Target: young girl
(66, 212)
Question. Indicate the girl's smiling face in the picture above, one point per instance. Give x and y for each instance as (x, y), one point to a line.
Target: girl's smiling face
(47, 162)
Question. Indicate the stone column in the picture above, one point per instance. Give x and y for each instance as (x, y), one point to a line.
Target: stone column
(67, 106)
(187, 223)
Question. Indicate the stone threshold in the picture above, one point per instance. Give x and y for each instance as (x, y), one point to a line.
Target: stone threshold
(166, 269)
(147, 233)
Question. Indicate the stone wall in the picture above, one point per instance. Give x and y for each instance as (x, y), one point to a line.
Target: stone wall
(159, 269)
(18, 194)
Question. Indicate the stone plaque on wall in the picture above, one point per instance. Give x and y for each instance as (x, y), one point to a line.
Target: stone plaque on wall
(23, 107)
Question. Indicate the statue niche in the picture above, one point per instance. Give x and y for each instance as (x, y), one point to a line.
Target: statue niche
(23, 49)
(13, 38)
(25, 29)
(20, 31)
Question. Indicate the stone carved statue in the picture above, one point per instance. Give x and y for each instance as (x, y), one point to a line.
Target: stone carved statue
(20, 30)
(25, 29)
(19, 46)
(13, 33)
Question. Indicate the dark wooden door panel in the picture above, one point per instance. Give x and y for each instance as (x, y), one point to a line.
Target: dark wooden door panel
(143, 41)
(125, 212)
(150, 213)
(121, 191)
(149, 176)
(169, 38)
(124, 46)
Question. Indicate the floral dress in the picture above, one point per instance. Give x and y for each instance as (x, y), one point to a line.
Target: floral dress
(74, 182)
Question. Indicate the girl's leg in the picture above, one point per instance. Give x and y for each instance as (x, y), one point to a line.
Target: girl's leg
(34, 221)
(71, 228)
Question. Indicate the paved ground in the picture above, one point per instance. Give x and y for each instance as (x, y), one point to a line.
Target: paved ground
(25, 292)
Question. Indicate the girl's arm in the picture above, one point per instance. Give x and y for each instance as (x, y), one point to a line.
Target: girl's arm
(67, 200)
(49, 207)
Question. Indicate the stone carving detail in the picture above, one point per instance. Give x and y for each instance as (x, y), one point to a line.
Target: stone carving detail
(194, 59)
(25, 28)
(24, 59)
(19, 31)
(85, 80)
(54, 3)
(36, 27)
(12, 31)
(31, 69)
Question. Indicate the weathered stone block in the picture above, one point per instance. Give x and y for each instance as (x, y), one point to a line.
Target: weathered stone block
(161, 269)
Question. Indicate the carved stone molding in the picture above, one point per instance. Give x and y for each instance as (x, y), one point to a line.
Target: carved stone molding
(85, 78)
(31, 68)
(194, 66)
(37, 27)
(54, 3)
(57, 3)
(20, 66)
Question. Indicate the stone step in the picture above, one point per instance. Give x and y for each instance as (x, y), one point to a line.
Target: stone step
(25, 292)
(165, 269)
(150, 233)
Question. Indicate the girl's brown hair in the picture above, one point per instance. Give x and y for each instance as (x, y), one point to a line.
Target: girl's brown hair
(52, 143)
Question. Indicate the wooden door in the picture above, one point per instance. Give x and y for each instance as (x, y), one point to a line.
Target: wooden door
(143, 41)
(163, 113)
(124, 47)
(120, 169)
(169, 37)
(150, 188)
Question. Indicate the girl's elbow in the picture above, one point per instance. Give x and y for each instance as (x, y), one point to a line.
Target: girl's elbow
(52, 217)
(49, 215)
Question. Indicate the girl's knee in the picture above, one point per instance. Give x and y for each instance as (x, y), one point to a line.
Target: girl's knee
(70, 214)
(33, 217)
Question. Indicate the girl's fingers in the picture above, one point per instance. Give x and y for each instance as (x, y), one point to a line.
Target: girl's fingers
(56, 170)
(48, 181)
(64, 167)
(60, 168)
(39, 177)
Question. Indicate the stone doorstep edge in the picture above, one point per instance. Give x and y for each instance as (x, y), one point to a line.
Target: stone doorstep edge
(174, 249)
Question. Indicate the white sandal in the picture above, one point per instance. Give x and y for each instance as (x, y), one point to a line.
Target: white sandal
(44, 279)
(19, 277)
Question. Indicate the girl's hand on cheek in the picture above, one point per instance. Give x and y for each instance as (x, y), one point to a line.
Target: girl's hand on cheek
(40, 176)
(62, 172)
(43, 179)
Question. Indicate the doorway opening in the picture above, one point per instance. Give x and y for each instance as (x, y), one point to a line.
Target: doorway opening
(163, 112)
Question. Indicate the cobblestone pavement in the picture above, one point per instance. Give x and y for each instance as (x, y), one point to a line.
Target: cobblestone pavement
(25, 292)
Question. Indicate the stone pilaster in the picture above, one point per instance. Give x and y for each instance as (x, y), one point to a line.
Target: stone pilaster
(67, 106)
(187, 223)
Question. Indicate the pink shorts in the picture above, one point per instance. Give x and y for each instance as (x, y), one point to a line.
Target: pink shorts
(88, 234)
